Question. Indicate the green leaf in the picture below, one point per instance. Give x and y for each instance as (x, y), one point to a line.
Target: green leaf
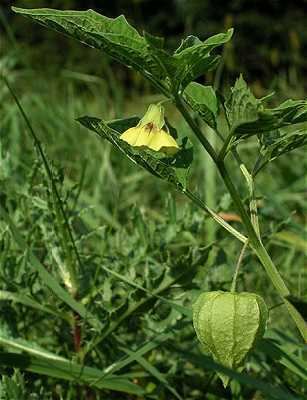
(279, 353)
(189, 41)
(191, 60)
(291, 111)
(284, 129)
(167, 281)
(179, 274)
(282, 141)
(115, 36)
(150, 344)
(241, 107)
(123, 43)
(38, 360)
(270, 391)
(276, 127)
(154, 372)
(270, 120)
(68, 370)
(202, 99)
(174, 169)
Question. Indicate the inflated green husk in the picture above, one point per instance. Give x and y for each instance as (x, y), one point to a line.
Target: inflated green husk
(228, 325)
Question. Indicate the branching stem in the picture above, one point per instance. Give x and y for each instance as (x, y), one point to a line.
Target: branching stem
(254, 241)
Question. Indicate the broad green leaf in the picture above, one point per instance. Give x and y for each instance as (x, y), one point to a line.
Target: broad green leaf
(122, 42)
(115, 36)
(191, 60)
(202, 99)
(291, 111)
(174, 169)
(276, 128)
(270, 120)
(284, 129)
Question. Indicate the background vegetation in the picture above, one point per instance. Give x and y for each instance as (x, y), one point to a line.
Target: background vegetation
(129, 231)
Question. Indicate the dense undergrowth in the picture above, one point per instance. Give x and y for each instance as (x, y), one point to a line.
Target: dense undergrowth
(138, 249)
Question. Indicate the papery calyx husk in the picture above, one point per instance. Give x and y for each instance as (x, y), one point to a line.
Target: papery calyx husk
(228, 325)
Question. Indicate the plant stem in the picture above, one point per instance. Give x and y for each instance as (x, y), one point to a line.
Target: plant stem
(223, 151)
(256, 244)
(196, 200)
(195, 128)
(239, 262)
(253, 201)
(254, 241)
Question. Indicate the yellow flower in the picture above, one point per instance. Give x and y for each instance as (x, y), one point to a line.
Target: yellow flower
(149, 133)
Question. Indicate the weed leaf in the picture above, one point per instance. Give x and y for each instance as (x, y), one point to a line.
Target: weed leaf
(202, 99)
(121, 41)
(172, 169)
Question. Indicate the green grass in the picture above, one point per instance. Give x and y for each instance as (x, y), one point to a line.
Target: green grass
(138, 255)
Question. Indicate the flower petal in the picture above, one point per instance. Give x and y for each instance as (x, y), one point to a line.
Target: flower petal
(131, 135)
(162, 141)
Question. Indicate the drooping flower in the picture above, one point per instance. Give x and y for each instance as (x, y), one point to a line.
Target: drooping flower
(149, 133)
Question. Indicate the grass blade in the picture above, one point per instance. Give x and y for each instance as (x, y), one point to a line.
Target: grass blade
(48, 279)
(154, 372)
(29, 302)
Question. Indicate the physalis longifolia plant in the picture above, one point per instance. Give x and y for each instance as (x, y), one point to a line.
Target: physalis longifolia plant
(227, 324)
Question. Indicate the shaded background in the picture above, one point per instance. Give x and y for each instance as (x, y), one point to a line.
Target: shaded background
(270, 36)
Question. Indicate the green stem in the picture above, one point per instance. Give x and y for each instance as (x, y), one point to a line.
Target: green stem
(215, 216)
(254, 241)
(209, 171)
(239, 262)
(223, 151)
(253, 200)
(195, 128)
